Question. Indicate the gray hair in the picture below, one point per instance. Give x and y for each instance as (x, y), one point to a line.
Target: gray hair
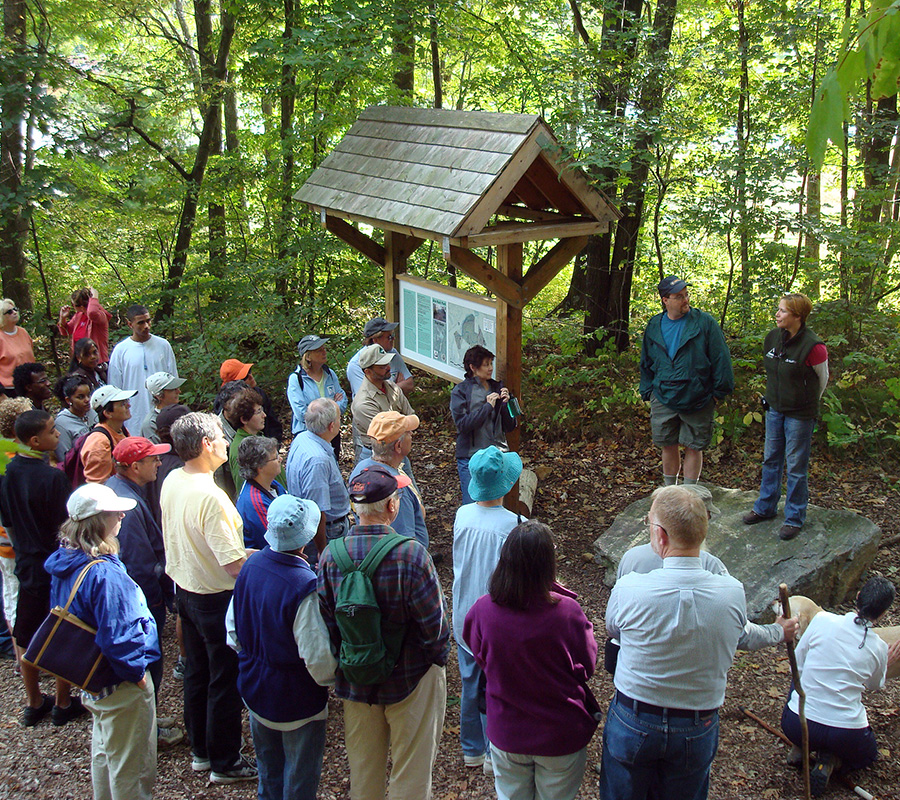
(253, 454)
(373, 509)
(383, 449)
(189, 431)
(320, 413)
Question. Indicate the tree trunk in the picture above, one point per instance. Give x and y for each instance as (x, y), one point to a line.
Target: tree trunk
(611, 308)
(743, 140)
(404, 50)
(194, 180)
(13, 222)
(287, 99)
(436, 77)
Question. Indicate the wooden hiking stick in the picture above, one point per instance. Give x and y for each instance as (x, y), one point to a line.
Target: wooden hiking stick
(843, 779)
(795, 675)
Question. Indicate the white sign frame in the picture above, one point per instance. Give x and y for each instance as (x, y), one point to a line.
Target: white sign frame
(427, 312)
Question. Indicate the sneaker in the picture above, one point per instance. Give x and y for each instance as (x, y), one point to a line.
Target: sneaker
(788, 532)
(165, 722)
(488, 768)
(32, 716)
(167, 736)
(473, 761)
(243, 770)
(751, 518)
(820, 774)
(199, 764)
(178, 669)
(60, 716)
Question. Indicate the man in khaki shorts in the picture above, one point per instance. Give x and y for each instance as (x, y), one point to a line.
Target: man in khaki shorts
(685, 369)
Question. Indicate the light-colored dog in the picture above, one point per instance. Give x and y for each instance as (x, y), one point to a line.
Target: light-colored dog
(805, 609)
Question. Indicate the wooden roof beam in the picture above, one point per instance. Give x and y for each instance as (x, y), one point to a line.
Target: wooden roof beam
(507, 234)
(354, 237)
(545, 270)
(520, 212)
(476, 267)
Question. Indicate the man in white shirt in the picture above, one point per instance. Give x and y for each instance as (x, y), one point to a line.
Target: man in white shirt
(678, 628)
(136, 358)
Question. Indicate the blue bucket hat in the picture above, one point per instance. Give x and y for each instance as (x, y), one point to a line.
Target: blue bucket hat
(493, 473)
(292, 523)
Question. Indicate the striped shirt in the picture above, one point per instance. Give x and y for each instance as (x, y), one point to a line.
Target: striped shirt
(409, 592)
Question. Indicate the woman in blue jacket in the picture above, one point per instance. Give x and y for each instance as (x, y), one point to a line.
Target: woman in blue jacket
(123, 741)
(313, 378)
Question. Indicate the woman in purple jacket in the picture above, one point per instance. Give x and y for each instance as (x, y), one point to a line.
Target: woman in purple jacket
(537, 650)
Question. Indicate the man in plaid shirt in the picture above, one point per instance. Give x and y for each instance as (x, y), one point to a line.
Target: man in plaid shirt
(405, 714)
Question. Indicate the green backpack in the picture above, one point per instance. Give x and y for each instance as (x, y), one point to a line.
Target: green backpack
(370, 647)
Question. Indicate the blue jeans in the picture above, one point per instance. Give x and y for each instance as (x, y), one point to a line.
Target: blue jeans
(788, 439)
(472, 723)
(462, 467)
(651, 756)
(289, 762)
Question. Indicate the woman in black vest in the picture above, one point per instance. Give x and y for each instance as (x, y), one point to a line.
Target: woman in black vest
(796, 362)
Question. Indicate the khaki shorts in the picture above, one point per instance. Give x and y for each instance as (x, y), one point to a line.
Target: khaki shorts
(691, 429)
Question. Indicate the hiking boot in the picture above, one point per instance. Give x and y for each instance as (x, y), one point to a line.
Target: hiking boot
(32, 716)
(178, 669)
(751, 518)
(200, 764)
(243, 770)
(821, 773)
(795, 757)
(788, 532)
(60, 716)
(165, 722)
(167, 736)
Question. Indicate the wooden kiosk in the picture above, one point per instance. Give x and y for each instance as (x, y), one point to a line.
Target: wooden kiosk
(466, 179)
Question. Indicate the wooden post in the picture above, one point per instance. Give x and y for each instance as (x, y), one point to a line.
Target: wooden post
(509, 344)
(395, 257)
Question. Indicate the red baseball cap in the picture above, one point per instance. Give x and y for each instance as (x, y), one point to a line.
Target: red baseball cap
(134, 448)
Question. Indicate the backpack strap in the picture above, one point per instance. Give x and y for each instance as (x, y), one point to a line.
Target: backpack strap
(338, 548)
(377, 554)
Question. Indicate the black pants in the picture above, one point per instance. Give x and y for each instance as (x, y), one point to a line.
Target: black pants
(212, 705)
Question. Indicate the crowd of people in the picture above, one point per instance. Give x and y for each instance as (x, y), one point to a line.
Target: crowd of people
(290, 581)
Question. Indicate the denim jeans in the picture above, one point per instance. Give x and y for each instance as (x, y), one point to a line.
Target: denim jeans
(289, 762)
(472, 723)
(462, 468)
(788, 439)
(212, 705)
(648, 755)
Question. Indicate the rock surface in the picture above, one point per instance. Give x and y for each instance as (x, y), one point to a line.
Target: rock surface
(825, 562)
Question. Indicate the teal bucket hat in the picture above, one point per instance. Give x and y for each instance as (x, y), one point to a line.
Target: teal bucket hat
(493, 473)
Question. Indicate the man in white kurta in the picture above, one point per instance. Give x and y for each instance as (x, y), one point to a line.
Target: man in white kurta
(136, 358)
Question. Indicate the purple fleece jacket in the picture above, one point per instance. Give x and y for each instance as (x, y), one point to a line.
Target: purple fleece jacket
(537, 663)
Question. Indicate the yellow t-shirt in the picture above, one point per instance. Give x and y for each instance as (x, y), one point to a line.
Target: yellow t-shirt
(202, 532)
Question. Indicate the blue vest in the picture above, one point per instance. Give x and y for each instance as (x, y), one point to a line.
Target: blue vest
(273, 679)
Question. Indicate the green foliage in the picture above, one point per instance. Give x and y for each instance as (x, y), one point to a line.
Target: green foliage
(870, 52)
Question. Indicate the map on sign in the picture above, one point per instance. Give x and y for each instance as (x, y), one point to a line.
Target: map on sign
(438, 324)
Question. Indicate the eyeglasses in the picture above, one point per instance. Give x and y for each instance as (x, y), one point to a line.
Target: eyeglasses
(259, 411)
(12, 310)
(649, 522)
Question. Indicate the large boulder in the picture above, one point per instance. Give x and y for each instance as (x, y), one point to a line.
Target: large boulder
(825, 562)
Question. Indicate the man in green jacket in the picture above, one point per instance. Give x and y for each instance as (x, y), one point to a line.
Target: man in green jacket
(685, 369)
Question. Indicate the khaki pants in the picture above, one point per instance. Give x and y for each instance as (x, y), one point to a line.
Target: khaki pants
(123, 743)
(410, 729)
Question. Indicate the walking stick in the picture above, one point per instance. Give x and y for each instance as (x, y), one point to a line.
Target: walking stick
(795, 675)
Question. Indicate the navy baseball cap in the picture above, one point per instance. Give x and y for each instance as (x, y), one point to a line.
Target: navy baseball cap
(670, 285)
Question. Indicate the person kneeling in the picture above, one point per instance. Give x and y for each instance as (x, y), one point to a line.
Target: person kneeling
(839, 656)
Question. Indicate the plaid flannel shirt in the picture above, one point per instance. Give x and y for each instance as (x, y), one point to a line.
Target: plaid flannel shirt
(408, 591)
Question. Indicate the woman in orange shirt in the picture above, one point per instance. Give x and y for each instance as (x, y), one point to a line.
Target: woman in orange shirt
(15, 344)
